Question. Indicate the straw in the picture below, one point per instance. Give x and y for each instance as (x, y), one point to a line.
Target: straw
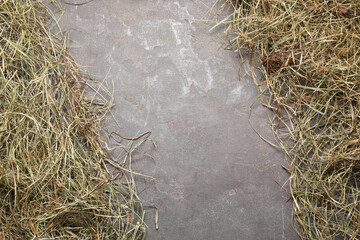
(310, 55)
(55, 179)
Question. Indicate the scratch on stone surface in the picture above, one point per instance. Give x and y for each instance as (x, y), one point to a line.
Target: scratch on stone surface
(152, 80)
(77, 17)
(186, 60)
(175, 29)
(128, 31)
(148, 110)
(145, 44)
(209, 76)
(180, 11)
(189, 63)
(235, 95)
(232, 192)
(176, 193)
(186, 90)
(150, 83)
(182, 36)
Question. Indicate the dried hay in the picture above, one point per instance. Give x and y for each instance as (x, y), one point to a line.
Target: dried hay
(54, 177)
(310, 53)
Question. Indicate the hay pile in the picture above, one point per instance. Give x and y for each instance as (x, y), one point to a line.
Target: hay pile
(54, 176)
(310, 52)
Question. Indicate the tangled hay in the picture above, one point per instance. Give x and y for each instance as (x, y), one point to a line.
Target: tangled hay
(55, 181)
(310, 52)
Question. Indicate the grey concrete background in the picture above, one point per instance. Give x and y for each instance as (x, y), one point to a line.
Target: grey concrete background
(214, 177)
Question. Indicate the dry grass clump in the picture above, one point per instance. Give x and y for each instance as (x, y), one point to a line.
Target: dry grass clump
(310, 52)
(54, 179)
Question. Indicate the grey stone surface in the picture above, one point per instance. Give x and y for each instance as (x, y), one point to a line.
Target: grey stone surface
(214, 177)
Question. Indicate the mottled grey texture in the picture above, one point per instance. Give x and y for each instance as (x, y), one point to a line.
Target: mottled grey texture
(215, 178)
